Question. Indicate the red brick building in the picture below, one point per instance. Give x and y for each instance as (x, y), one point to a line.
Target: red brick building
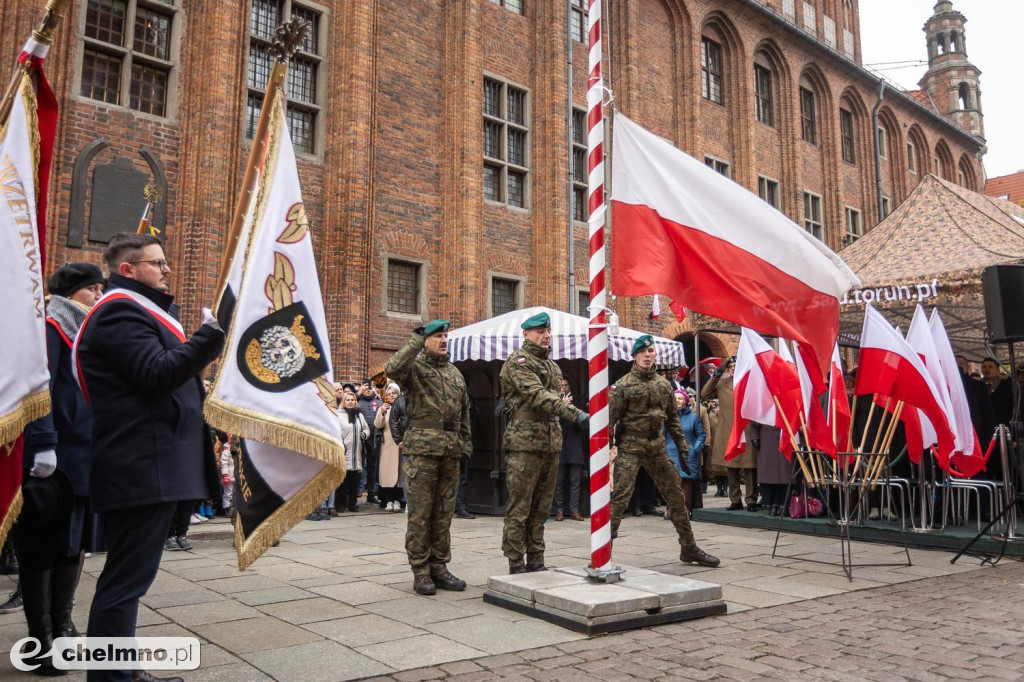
(1009, 187)
(434, 137)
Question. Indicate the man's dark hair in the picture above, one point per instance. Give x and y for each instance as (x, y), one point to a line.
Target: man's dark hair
(992, 360)
(126, 247)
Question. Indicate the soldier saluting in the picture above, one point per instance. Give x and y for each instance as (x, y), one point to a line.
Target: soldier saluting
(530, 382)
(437, 405)
(642, 407)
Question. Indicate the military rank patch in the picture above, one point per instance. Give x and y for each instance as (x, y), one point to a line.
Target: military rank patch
(282, 350)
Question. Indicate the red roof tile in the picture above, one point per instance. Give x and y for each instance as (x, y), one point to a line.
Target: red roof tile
(1010, 186)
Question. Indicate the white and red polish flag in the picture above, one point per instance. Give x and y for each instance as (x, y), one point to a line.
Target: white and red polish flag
(683, 230)
(838, 416)
(761, 375)
(890, 367)
(968, 458)
(919, 336)
(811, 387)
(26, 150)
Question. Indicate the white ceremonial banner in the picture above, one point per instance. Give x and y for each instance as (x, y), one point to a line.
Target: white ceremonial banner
(274, 387)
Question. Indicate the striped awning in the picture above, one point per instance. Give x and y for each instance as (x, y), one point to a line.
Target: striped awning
(498, 337)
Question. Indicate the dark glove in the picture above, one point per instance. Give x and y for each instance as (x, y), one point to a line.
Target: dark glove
(582, 419)
(684, 466)
(719, 372)
(420, 330)
(756, 442)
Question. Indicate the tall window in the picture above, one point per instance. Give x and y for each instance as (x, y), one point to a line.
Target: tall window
(854, 226)
(127, 53)
(719, 166)
(846, 132)
(912, 157)
(583, 302)
(763, 100)
(403, 292)
(886, 207)
(513, 5)
(711, 70)
(504, 295)
(578, 21)
(768, 190)
(302, 90)
(506, 143)
(580, 171)
(812, 215)
(808, 117)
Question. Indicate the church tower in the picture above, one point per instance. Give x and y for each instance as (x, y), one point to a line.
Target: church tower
(951, 79)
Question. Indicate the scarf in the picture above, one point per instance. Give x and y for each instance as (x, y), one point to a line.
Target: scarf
(68, 314)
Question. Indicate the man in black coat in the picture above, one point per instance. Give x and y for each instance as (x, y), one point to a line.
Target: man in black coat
(150, 446)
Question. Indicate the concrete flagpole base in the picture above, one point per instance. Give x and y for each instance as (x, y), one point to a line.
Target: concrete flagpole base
(640, 598)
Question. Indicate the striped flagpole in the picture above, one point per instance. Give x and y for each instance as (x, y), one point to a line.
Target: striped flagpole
(597, 348)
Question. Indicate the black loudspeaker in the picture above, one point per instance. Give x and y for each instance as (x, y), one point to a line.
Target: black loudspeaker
(1003, 288)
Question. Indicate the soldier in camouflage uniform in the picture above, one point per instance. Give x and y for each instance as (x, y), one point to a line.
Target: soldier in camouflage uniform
(642, 407)
(437, 405)
(530, 383)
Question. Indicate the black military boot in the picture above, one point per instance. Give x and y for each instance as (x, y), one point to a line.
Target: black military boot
(695, 555)
(8, 560)
(446, 581)
(423, 584)
(64, 582)
(37, 596)
(516, 569)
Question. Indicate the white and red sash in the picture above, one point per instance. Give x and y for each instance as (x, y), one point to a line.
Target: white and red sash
(121, 295)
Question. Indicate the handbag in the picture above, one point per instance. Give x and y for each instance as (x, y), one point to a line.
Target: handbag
(797, 507)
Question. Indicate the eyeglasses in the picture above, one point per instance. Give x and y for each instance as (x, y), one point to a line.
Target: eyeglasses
(159, 263)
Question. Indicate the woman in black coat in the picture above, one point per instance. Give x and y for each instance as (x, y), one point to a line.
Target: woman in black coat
(571, 462)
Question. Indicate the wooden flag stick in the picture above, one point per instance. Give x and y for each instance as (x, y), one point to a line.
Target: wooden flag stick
(897, 412)
(881, 424)
(796, 446)
(55, 10)
(816, 470)
(867, 427)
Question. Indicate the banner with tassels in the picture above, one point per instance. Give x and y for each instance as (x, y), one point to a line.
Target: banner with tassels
(274, 386)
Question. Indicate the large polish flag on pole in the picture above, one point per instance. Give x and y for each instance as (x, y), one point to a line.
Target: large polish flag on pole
(919, 336)
(889, 366)
(811, 386)
(682, 230)
(838, 416)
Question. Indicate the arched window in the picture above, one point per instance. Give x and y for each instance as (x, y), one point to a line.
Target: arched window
(954, 42)
(942, 43)
(808, 112)
(963, 96)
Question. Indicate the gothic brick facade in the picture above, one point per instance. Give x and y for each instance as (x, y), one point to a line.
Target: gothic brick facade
(396, 168)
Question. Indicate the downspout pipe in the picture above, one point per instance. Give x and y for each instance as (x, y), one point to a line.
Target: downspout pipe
(572, 175)
(878, 147)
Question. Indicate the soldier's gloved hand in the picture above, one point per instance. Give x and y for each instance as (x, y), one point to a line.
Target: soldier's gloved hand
(719, 372)
(582, 419)
(44, 465)
(420, 330)
(210, 319)
(756, 442)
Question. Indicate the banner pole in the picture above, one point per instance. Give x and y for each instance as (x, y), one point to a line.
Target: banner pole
(597, 348)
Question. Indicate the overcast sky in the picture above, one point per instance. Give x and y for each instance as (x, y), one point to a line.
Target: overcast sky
(891, 32)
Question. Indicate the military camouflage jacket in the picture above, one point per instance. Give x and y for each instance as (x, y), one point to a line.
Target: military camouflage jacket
(436, 402)
(641, 403)
(529, 382)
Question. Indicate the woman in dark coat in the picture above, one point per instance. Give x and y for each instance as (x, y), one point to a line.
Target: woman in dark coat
(693, 430)
(570, 463)
(773, 469)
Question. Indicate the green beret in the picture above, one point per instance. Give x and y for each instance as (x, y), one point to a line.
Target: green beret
(641, 343)
(537, 321)
(436, 327)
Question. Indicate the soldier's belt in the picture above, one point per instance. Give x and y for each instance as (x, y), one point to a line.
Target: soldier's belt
(533, 416)
(642, 433)
(434, 424)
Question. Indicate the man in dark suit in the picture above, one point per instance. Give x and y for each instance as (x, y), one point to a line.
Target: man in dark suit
(150, 447)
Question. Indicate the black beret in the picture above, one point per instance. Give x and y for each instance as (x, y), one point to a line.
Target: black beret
(73, 277)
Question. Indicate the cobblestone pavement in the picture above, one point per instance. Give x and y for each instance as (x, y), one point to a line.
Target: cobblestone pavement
(968, 626)
(335, 602)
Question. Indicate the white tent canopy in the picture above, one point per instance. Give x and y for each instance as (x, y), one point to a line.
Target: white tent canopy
(496, 338)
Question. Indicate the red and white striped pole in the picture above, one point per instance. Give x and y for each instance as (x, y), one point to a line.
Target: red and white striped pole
(597, 348)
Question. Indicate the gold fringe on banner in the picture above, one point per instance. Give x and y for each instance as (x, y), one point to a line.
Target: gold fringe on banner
(7, 522)
(32, 407)
(285, 517)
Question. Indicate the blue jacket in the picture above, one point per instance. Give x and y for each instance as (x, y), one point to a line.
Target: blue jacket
(150, 444)
(67, 429)
(695, 437)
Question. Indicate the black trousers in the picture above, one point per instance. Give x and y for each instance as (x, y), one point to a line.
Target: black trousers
(181, 518)
(645, 493)
(347, 494)
(135, 543)
(371, 461)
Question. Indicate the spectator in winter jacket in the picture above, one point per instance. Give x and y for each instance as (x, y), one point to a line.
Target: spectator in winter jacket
(695, 435)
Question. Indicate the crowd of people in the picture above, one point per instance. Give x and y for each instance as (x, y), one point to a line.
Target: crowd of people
(125, 462)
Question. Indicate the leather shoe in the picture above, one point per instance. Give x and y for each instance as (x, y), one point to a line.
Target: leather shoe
(653, 511)
(638, 512)
(143, 676)
(695, 555)
(559, 516)
(753, 507)
(516, 569)
(576, 516)
(422, 584)
(735, 506)
(535, 568)
(171, 545)
(183, 543)
(446, 581)
(463, 513)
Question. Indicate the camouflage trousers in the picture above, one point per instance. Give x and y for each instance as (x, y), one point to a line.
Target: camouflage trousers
(430, 487)
(665, 478)
(530, 478)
